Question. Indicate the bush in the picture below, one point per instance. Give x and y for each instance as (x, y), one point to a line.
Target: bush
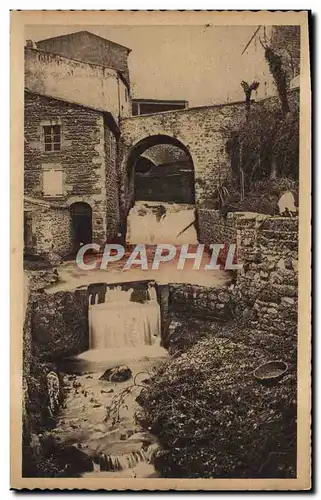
(266, 146)
(262, 197)
(214, 420)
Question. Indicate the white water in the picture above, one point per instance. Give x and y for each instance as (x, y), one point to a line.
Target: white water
(118, 322)
(157, 222)
(121, 462)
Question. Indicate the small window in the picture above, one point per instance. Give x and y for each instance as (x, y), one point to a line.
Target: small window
(52, 137)
(52, 181)
(126, 95)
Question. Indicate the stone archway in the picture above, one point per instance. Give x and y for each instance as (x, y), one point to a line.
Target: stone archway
(160, 168)
(161, 192)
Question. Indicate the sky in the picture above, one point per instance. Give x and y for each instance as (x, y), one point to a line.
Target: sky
(200, 64)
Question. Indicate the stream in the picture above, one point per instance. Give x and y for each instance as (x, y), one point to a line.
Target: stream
(122, 333)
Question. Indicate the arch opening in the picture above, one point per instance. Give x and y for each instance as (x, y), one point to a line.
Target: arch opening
(81, 224)
(161, 193)
(160, 169)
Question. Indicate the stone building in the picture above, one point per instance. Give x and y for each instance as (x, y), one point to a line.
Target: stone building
(70, 162)
(89, 157)
(77, 88)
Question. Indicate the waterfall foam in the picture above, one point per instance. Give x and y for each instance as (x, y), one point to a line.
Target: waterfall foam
(156, 222)
(119, 322)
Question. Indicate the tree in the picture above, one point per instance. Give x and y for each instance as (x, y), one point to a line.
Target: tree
(279, 75)
(248, 89)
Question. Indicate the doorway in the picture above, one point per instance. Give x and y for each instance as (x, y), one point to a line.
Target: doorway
(81, 221)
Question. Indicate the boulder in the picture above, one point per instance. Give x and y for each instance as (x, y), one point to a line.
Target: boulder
(73, 460)
(281, 264)
(223, 297)
(119, 373)
(287, 301)
(295, 265)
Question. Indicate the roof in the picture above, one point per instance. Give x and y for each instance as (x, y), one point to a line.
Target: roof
(77, 33)
(161, 101)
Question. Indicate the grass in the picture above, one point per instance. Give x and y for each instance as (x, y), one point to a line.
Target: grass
(213, 419)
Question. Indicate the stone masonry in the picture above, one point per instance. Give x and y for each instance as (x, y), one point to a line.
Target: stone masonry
(87, 157)
(203, 131)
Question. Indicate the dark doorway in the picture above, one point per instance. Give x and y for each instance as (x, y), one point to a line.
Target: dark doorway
(81, 220)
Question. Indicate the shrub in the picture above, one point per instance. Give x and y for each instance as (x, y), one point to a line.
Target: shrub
(213, 419)
(262, 197)
(267, 145)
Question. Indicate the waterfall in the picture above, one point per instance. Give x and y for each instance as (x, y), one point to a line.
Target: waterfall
(155, 222)
(120, 462)
(119, 322)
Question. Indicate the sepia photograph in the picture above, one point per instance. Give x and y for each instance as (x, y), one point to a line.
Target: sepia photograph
(161, 205)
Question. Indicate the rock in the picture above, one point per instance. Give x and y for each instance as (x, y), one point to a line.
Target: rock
(55, 260)
(281, 264)
(152, 451)
(101, 427)
(53, 386)
(272, 310)
(141, 436)
(288, 263)
(286, 204)
(75, 459)
(247, 313)
(295, 265)
(275, 277)
(35, 445)
(119, 373)
(287, 301)
(223, 297)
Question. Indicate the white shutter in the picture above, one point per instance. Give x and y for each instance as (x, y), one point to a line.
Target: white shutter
(52, 182)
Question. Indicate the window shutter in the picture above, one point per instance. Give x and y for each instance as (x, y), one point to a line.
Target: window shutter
(53, 182)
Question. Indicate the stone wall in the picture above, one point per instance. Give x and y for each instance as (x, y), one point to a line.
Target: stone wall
(213, 228)
(200, 301)
(52, 231)
(59, 324)
(87, 157)
(203, 131)
(112, 184)
(266, 291)
(264, 295)
(75, 81)
(88, 47)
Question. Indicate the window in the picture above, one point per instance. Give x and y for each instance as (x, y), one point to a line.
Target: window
(52, 181)
(52, 137)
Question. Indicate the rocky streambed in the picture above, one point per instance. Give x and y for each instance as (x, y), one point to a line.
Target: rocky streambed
(97, 421)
